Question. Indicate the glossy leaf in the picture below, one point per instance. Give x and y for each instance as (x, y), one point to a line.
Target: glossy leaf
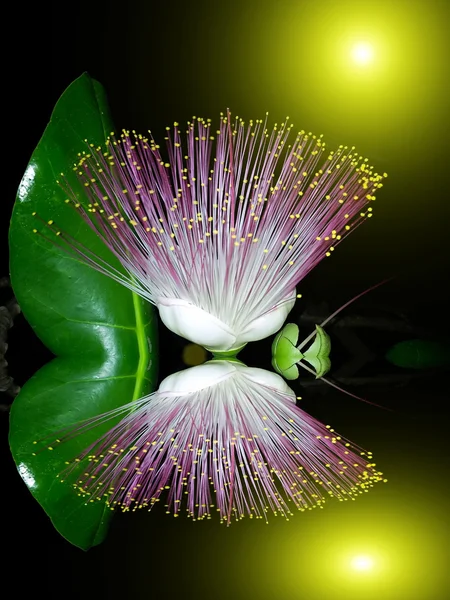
(103, 335)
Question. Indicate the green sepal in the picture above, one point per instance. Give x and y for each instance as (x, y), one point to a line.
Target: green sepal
(285, 354)
(317, 354)
(228, 354)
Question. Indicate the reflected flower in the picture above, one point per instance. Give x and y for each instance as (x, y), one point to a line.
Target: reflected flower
(220, 437)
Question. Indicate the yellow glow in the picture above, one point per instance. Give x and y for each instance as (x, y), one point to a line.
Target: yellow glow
(362, 53)
(362, 563)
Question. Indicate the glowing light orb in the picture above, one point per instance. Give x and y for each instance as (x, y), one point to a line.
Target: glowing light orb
(362, 53)
(362, 563)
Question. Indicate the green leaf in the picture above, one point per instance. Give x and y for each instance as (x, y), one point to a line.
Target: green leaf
(419, 354)
(104, 336)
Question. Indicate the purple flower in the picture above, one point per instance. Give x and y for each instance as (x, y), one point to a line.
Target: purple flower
(219, 234)
(220, 437)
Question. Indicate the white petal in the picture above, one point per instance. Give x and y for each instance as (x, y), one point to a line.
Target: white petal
(196, 325)
(267, 324)
(197, 378)
(215, 371)
(267, 379)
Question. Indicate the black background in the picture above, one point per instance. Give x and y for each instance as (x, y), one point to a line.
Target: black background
(45, 48)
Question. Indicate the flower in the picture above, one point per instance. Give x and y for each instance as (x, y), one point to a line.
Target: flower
(218, 234)
(220, 437)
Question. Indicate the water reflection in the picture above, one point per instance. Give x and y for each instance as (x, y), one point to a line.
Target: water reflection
(220, 438)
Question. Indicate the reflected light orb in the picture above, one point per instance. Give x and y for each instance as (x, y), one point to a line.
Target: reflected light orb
(362, 53)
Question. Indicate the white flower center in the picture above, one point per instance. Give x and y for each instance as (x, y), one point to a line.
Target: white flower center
(199, 326)
(214, 372)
